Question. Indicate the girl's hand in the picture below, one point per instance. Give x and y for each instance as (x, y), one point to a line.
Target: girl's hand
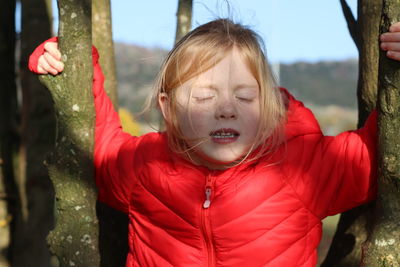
(50, 61)
(390, 41)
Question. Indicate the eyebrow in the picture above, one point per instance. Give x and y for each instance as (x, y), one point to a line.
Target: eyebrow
(244, 85)
(236, 87)
(206, 85)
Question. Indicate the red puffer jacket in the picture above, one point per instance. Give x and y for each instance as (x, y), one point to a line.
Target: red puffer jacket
(263, 213)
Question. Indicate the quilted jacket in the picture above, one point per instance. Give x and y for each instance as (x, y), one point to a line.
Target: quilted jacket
(262, 213)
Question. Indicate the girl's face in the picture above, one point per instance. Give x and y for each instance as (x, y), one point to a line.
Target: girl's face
(218, 111)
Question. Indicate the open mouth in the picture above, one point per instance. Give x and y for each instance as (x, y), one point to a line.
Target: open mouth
(224, 136)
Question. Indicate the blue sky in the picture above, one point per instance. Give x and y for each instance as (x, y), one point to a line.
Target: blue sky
(293, 30)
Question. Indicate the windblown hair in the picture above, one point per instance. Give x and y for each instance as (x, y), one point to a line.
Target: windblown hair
(200, 50)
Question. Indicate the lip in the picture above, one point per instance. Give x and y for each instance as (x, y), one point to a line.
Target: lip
(224, 136)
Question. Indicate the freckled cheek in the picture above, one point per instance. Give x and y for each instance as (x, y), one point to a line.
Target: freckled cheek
(195, 122)
(251, 111)
(251, 117)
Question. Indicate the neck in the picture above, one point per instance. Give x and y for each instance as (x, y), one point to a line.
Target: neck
(203, 160)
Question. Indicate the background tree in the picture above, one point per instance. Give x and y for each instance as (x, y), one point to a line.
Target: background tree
(352, 229)
(9, 204)
(102, 39)
(382, 248)
(75, 238)
(37, 140)
(184, 18)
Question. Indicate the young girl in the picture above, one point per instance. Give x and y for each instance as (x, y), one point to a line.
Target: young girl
(242, 176)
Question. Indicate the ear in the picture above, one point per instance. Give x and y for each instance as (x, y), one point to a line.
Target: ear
(163, 101)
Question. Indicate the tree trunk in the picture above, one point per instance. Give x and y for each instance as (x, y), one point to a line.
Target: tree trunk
(37, 140)
(102, 39)
(9, 201)
(75, 238)
(352, 229)
(369, 14)
(113, 224)
(382, 248)
(184, 18)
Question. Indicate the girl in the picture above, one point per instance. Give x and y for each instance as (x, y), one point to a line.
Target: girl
(242, 176)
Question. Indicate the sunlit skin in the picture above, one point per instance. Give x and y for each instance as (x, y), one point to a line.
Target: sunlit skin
(219, 111)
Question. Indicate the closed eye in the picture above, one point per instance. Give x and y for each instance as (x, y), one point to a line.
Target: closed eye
(201, 94)
(245, 99)
(246, 94)
(203, 98)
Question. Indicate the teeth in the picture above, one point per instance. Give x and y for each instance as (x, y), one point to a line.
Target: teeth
(223, 135)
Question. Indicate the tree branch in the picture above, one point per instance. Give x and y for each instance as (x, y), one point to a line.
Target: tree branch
(351, 22)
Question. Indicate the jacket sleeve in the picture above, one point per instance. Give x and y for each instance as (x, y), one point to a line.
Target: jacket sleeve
(114, 149)
(334, 174)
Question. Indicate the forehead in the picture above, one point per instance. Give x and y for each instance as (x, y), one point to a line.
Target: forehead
(231, 69)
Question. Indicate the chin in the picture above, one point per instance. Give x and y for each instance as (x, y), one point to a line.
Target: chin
(215, 159)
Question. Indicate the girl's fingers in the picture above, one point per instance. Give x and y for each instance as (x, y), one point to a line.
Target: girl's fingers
(40, 70)
(42, 63)
(390, 46)
(395, 27)
(53, 62)
(390, 37)
(393, 55)
(52, 49)
(390, 42)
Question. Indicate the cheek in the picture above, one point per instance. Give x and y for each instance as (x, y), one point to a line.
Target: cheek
(194, 121)
(250, 113)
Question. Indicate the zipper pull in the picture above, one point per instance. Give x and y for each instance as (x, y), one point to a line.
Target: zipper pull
(207, 202)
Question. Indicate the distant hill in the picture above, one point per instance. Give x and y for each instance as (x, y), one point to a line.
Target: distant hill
(317, 84)
(322, 83)
(137, 68)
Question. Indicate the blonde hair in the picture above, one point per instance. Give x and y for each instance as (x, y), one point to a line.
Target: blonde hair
(200, 50)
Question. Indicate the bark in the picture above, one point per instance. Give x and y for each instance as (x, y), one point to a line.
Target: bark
(353, 226)
(351, 22)
(75, 238)
(369, 13)
(37, 140)
(184, 18)
(102, 39)
(382, 248)
(9, 204)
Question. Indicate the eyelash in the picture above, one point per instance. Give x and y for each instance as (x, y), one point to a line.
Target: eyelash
(244, 99)
(202, 99)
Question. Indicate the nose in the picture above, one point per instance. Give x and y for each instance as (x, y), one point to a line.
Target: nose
(226, 110)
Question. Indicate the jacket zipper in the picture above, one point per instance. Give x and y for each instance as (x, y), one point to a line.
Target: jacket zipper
(205, 220)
